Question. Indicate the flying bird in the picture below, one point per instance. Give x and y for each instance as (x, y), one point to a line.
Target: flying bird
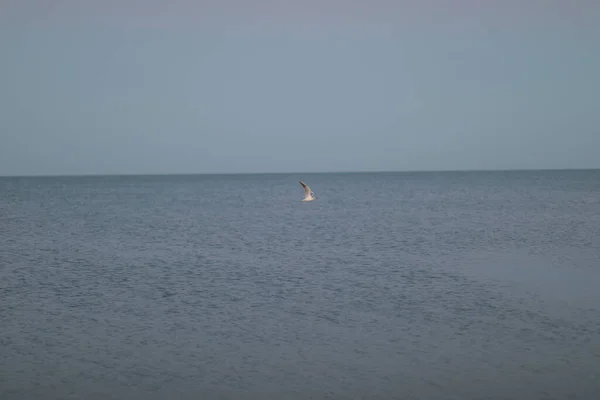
(308, 194)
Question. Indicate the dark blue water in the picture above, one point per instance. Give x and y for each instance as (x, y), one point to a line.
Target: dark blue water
(388, 286)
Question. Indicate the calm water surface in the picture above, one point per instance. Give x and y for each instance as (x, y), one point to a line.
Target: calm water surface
(389, 286)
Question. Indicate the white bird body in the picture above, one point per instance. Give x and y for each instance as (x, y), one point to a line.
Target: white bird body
(308, 194)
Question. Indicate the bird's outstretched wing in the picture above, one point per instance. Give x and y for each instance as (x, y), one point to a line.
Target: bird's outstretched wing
(307, 190)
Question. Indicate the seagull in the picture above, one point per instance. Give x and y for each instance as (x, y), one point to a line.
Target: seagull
(308, 194)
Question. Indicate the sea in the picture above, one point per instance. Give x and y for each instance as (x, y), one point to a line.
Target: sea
(415, 285)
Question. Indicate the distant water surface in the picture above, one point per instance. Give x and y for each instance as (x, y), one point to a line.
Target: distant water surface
(479, 285)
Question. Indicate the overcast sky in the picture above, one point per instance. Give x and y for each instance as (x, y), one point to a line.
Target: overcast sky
(95, 87)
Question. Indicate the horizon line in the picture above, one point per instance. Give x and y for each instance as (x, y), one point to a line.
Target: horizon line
(84, 175)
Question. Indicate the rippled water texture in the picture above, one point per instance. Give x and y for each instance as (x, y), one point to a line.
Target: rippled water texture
(388, 286)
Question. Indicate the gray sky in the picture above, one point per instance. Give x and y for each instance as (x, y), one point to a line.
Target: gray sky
(248, 86)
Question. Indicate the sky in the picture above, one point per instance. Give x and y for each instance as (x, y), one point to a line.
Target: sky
(238, 86)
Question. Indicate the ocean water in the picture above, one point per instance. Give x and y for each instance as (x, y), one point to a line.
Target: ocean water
(474, 285)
